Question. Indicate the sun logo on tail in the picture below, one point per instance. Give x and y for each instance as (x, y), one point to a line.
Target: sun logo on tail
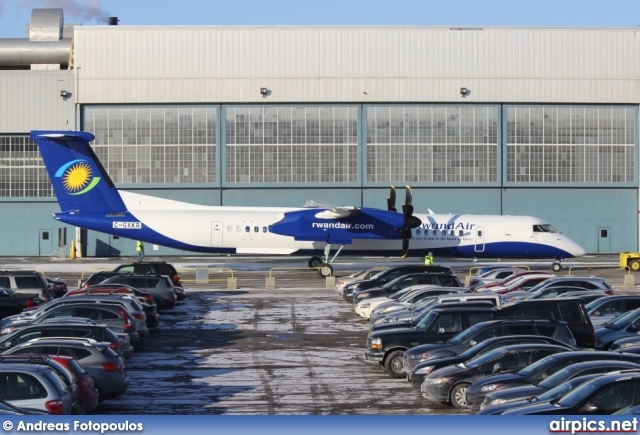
(77, 177)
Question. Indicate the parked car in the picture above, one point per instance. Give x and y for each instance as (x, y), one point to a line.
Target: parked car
(114, 315)
(413, 299)
(424, 278)
(147, 302)
(603, 395)
(577, 282)
(514, 281)
(387, 346)
(419, 371)
(30, 286)
(160, 286)
(625, 343)
(403, 298)
(34, 386)
(89, 394)
(97, 278)
(547, 293)
(605, 309)
(623, 326)
(548, 396)
(480, 332)
(157, 268)
(522, 282)
(365, 274)
(71, 327)
(493, 275)
(586, 297)
(69, 378)
(518, 394)
(57, 287)
(537, 372)
(412, 315)
(102, 363)
(405, 281)
(390, 274)
(571, 311)
(448, 385)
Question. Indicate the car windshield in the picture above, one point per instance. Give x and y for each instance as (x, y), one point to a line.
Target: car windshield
(623, 319)
(580, 393)
(593, 304)
(425, 303)
(537, 366)
(481, 359)
(464, 335)
(423, 322)
(399, 295)
(557, 378)
(562, 389)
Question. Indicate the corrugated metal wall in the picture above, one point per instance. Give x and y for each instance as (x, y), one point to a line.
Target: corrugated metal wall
(355, 64)
(31, 100)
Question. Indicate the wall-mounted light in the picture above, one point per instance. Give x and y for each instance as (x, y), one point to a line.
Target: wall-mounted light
(464, 92)
(264, 92)
(63, 94)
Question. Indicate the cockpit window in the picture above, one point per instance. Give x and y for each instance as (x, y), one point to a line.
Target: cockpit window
(544, 228)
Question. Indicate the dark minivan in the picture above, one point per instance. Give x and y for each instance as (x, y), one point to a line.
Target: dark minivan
(571, 311)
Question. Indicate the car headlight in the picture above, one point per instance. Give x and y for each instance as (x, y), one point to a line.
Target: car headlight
(424, 370)
(626, 345)
(379, 321)
(363, 295)
(498, 402)
(353, 287)
(364, 305)
(436, 381)
(490, 387)
(6, 330)
(419, 356)
(376, 344)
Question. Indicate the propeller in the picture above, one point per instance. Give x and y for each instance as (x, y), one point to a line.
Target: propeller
(410, 221)
(391, 200)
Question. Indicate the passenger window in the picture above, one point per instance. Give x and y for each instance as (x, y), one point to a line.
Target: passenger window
(460, 233)
(63, 312)
(26, 337)
(418, 232)
(27, 282)
(79, 354)
(144, 269)
(126, 269)
(108, 315)
(238, 228)
(229, 228)
(23, 386)
(4, 282)
(256, 229)
(487, 333)
(448, 322)
(570, 312)
(247, 229)
(264, 229)
(610, 399)
(138, 282)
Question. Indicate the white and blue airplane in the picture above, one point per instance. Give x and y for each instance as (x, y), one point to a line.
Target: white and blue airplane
(89, 199)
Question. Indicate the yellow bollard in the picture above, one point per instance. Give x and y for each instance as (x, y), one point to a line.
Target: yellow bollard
(72, 250)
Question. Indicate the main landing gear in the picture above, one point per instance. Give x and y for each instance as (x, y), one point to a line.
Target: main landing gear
(324, 268)
(556, 266)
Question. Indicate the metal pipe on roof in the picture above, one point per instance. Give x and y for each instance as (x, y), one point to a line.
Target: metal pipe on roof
(22, 52)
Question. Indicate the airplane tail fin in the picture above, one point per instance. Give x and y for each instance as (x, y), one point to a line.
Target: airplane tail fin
(78, 178)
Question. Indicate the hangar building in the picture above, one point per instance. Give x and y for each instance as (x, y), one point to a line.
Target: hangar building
(482, 120)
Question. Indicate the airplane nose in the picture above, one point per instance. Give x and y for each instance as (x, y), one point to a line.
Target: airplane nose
(576, 250)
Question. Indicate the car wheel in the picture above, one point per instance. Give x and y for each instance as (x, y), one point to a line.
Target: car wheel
(634, 265)
(556, 267)
(459, 396)
(315, 262)
(325, 270)
(394, 364)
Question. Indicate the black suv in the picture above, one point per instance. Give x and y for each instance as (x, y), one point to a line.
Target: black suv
(387, 346)
(152, 268)
(29, 286)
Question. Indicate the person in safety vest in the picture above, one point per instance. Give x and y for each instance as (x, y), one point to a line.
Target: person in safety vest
(140, 249)
(428, 259)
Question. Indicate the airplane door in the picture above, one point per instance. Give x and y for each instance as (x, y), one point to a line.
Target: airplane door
(604, 240)
(216, 233)
(46, 243)
(479, 246)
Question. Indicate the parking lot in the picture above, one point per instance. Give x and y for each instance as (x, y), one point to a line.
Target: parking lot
(297, 349)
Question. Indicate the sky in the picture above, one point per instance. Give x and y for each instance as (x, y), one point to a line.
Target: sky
(16, 14)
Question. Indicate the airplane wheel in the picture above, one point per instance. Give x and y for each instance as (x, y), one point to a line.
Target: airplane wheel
(556, 267)
(325, 270)
(315, 262)
(634, 265)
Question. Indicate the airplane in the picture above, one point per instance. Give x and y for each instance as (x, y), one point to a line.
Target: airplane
(89, 199)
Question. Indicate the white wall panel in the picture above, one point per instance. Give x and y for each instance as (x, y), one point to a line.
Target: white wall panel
(302, 64)
(31, 100)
